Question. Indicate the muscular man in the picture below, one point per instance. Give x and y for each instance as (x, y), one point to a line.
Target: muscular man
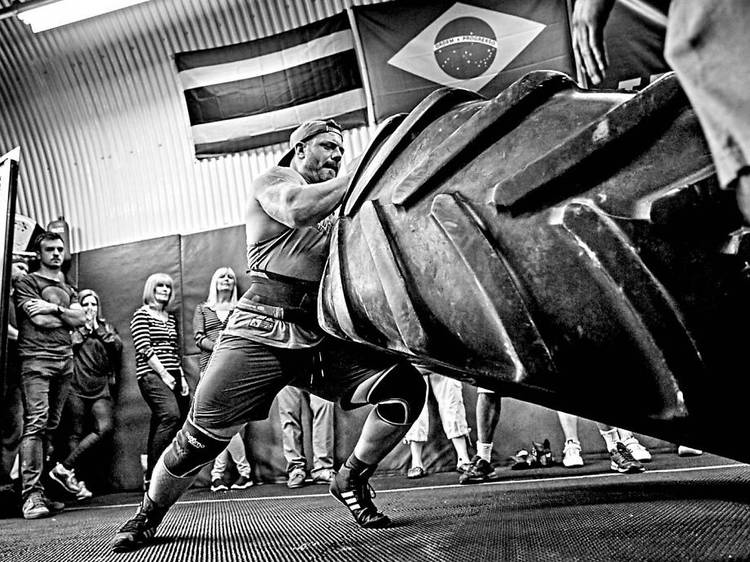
(707, 45)
(48, 310)
(273, 335)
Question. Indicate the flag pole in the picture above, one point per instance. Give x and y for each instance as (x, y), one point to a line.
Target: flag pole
(362, 64)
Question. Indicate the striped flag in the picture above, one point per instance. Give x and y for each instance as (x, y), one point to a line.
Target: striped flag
(254, 94)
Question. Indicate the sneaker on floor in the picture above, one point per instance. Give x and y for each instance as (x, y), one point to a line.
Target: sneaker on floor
(685, 451)
(543, 454)
(639, 452)
(621, 460)
(53, 506)
(416, 472)
(522, 460)
(325, 476)
(139, 530)
(218, 485)
(34, 507)
(83, 492)
(355, 492)
(296, 478)
(242, 483)
(572, 454)
(66, 478)
(461, 468)
(479, 471)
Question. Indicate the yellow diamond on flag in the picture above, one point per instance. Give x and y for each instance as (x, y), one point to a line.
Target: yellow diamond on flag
(466, 46)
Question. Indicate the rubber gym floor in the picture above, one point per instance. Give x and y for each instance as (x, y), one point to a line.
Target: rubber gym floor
(694, 508)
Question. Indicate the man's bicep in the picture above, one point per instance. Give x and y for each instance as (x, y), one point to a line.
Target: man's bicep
(274, 198)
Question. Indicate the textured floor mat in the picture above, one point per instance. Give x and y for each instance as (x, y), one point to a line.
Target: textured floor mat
(699, 513)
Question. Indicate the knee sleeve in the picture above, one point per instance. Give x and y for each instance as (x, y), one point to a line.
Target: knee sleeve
(398, 394)
(190, 450)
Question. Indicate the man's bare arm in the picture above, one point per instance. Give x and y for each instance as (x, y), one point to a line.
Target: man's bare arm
(589, 19)
(302, 205)
(46, 321)
(49, 315)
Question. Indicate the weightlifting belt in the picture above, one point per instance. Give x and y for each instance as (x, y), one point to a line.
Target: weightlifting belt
(278, 296)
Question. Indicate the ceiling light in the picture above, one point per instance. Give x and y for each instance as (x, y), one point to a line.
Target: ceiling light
(48, 16)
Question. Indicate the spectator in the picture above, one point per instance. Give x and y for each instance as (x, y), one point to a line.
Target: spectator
(11, 407)
(209, 320)
(96, 354)
(291, 400)
(706, 45)
(48, 310)
(157, 360)
(625, 451)
(488, 414)
(450, 400)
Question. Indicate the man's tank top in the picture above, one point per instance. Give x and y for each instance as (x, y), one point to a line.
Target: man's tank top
(297, 252)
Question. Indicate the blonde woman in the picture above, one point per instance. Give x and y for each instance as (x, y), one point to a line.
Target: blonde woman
(208, 322)
(157, 360)
(96, 356)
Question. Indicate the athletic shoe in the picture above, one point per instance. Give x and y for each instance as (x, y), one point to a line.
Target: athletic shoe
(479, 471)
(34, 507)
(355, 492)
(685, 451)
(83, 493)
(463, 467)
(139, 530)
(218, 485)
(639, 452)
(523, 460)
(572, 454)
(66, 478)
(416, 472)
(325, 476)
(542, 454)
(621, 460)
(242, 483)
(296, 478)
(53, 506)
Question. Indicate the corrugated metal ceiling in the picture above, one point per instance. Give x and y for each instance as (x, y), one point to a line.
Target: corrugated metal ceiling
(99, 114)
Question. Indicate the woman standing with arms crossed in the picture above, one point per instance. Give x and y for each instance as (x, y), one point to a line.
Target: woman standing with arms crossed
(96, 362)
(157, 360)
(209, 321)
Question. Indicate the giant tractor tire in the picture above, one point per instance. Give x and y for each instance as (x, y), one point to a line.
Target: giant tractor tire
(565, 247)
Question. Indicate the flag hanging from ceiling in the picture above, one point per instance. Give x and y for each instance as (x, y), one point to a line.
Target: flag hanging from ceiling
(413, 47)
(254, 94)
(634, 38)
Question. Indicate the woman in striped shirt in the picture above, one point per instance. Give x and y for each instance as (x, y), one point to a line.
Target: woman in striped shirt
(208, 322)
(158, 366)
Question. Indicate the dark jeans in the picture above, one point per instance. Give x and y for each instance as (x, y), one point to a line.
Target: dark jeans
(45, 384)
(79, 409)
(168, 411)
(11, 423)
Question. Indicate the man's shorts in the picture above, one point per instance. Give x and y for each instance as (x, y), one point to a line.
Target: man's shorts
(243, 377)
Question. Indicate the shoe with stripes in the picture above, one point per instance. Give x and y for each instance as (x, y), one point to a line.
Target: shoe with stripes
(139, 530)
(355, 492)
(621, 460)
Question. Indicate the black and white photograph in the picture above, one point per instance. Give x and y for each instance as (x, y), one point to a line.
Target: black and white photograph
(374, 280)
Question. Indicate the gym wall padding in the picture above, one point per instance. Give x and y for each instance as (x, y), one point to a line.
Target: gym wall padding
(118, 274)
